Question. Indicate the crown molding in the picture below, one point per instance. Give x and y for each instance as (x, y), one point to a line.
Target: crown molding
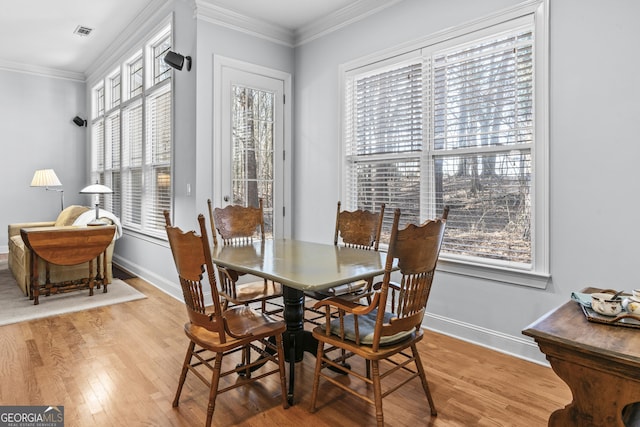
(339, 19)
(137, 29)
(227, 18)
(209, 12)
(41, 71)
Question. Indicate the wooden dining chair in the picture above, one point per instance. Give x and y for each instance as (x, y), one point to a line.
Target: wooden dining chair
(360, 229)
(379, 336)
(240, 225)
(218, 333)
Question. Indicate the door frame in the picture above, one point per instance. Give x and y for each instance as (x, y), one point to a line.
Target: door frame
(219, 63)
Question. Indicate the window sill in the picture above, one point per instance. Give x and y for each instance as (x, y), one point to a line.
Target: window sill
(138, 234)
(498, 274)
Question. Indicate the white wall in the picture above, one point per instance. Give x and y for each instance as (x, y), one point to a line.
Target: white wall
(593, 148)
(37, 132)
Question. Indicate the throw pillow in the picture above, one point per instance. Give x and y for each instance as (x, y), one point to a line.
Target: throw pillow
(69, 215)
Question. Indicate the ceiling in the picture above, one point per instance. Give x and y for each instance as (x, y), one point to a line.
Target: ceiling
(38, 35)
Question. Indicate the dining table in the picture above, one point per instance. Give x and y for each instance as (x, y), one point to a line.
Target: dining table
(300, 266)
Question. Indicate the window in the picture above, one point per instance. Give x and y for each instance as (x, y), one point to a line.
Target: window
(132, 140)
(454, 123)
(114, 83)
(134, 71)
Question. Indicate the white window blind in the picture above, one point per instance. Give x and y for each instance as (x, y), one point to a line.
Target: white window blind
(112, 163)
(97, 155)
(384, 140)
(158, 158)
(454, 127)
(482, 135)
(132, 167)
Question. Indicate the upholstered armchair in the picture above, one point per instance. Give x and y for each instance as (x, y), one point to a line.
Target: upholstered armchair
(20, 255)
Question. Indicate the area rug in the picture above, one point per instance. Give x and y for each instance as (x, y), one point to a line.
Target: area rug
(15, 307)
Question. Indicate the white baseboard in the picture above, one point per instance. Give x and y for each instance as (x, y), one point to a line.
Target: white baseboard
(159, 282)
(520, 347)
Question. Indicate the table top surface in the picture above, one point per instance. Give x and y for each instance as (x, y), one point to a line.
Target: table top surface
(568, 326)
(68, 245)
(301, 265)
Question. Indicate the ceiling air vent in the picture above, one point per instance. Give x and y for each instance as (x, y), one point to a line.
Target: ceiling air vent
(82, 31)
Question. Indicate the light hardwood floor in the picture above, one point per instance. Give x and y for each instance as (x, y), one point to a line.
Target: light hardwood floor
(119, 366)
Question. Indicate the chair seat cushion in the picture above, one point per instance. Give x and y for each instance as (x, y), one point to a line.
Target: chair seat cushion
(366, 326)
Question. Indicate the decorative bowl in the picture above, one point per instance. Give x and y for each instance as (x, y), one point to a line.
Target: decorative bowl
(603, 304)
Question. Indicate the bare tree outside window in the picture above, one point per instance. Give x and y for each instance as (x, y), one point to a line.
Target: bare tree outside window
(252, 150)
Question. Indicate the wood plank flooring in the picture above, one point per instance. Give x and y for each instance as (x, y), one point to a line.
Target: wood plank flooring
(119, 366)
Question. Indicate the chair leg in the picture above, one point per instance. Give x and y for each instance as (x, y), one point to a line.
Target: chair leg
(316, 376)
(283, 377)
(183, 374)
(423, 378)
(213, 392)
(246, 361)
(377, 392)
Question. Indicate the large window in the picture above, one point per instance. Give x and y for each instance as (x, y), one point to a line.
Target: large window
(132, 137)
(454, 123)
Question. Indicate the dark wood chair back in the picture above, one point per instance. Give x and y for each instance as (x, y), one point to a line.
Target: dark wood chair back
(359, 229)
(237, 224)
(192, 257)
(416, 249)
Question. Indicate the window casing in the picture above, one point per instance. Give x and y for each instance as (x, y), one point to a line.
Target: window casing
(454, 122)
(132, 140)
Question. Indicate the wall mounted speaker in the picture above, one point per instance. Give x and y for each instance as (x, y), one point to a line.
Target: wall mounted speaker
(175, 60)
(79, 121)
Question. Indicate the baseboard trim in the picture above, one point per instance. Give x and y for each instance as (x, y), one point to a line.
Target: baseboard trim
(159, 282)
(520, 347)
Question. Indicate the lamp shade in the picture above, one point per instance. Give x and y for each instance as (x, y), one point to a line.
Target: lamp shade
(96, 189)
(45, 178)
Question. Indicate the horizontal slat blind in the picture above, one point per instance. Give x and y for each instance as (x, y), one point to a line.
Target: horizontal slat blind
(112, 201)
(158, 159)
(384, 141)
(132, 167)
(97, 155)
(483, 104)
(454, 127)
(483, 94)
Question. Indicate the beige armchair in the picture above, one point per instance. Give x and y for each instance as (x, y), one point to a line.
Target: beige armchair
(20, 255)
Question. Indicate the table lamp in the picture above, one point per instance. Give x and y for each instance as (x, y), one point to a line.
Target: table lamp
(47, 178)
(96, 189)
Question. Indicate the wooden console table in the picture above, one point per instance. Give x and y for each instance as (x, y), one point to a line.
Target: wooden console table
(68, 246)
(600, 363)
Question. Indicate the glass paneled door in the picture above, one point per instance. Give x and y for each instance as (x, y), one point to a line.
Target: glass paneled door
(252, 144)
